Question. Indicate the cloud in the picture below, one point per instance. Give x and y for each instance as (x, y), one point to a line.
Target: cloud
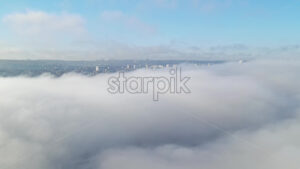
(233, 47)
(82, 49)
(237, 116)
(42, 23)
(128, 21)
(36, 31)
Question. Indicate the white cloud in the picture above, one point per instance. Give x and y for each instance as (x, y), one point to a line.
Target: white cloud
(237, 116)
(42, 23)
(93, 50)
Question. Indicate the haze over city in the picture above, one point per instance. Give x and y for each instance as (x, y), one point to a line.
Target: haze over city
(149, 84)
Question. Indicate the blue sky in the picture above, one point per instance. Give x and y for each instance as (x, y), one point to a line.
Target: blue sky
(132, 25)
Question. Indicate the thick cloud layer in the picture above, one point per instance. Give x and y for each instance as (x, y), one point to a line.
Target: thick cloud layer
(237, 116)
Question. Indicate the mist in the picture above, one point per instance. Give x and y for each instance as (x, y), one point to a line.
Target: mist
(236, 116)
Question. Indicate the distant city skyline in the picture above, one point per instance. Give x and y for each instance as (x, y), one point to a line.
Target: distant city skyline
(58, 68)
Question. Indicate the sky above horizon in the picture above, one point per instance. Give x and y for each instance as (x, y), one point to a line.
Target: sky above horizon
(148, 29)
